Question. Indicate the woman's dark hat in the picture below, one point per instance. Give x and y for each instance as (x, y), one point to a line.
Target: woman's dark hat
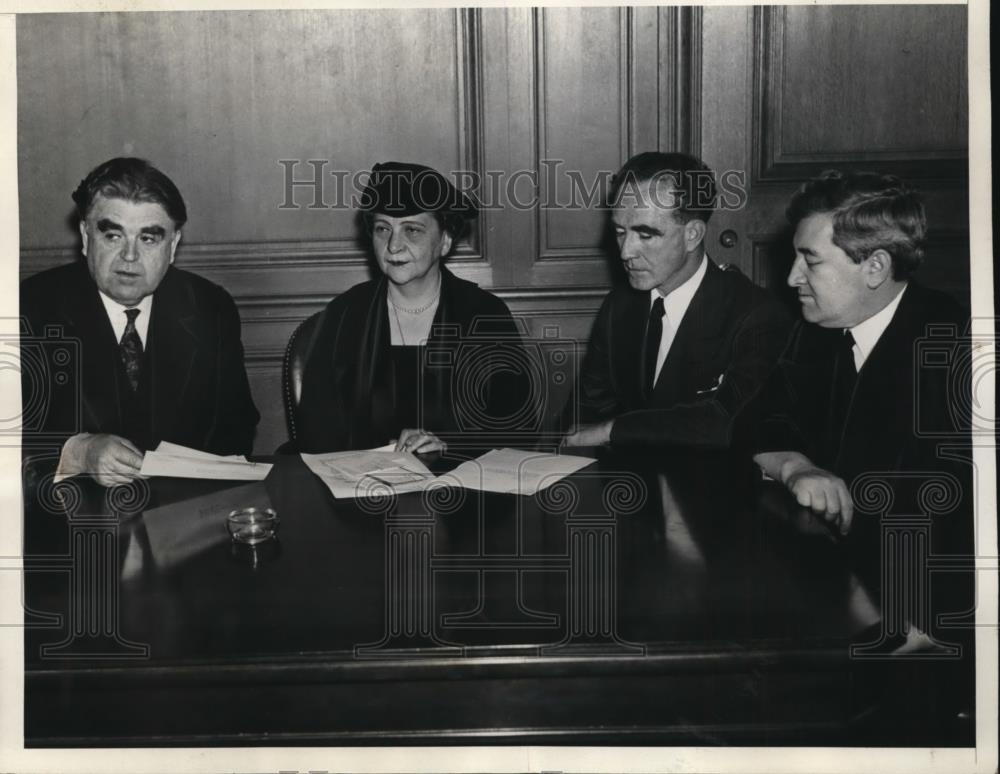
(399, 189)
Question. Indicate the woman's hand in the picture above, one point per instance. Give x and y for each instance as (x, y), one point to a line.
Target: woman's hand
(419, 442)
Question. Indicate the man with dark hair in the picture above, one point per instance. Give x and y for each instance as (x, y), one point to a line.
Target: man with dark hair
(844, 398)
(160, 350)
(676, 355)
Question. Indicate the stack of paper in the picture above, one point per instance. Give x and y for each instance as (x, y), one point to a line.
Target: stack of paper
(170, 459)
(369, 473)
(374, 472)
(513, 471)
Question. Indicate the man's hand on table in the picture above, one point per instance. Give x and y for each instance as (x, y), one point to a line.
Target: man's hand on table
(819, 490)
(110, 459)
(589, 435)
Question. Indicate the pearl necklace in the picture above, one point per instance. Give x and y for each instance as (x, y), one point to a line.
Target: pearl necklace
(418, 310)
(415, 312)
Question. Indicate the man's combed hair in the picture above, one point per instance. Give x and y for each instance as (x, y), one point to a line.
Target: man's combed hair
(870, 212)
(132, 179)
(689, 178)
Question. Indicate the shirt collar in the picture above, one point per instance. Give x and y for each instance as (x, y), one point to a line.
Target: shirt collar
(116, 314)
(676, 302)
(867, 332)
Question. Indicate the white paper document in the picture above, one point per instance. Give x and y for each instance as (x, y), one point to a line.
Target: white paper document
(511, 471)
(169, 459)
(369, 473)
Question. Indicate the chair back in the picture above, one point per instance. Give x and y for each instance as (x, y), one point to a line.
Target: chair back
(293, 369)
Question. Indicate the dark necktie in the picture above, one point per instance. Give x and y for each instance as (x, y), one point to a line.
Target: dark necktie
(844, 378)
(131, 349)
(654, 332)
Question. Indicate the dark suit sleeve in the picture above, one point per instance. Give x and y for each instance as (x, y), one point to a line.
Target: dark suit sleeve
(710, 420)
(771, 422)
(593, 397)
(236, 416)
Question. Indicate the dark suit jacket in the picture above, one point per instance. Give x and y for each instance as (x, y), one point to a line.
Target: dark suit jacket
(193, 374)
(911, 400)
(728, 341)
(904, 403)
(472, 333)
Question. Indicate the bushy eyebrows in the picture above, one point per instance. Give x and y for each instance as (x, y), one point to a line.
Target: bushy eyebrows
(106, 224)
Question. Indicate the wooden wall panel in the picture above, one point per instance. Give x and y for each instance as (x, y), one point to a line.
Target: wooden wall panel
(218, 99)
(880, 86)
(608, 83)
(583, 123)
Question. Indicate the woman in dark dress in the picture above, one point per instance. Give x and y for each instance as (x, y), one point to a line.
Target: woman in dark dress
(416, 357)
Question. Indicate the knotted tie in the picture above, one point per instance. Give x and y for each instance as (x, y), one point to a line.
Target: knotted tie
(654, 332)
(131, 349)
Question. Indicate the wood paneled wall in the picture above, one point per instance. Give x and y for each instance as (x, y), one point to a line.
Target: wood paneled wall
(541, 104)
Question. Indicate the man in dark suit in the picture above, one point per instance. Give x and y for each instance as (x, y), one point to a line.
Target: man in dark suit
(160, 356)
(852, 393)
(673, 357)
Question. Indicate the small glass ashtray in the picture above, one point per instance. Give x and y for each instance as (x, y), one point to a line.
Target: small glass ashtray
(251, 526)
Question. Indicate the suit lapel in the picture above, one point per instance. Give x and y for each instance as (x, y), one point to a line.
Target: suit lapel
(172, 344)
(883, 396)
(627, 341)
(86, 315)
(701, 322)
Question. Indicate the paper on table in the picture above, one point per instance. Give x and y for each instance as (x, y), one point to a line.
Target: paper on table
(181, 462)
(369, 473)
(176, 450)
(512, 471)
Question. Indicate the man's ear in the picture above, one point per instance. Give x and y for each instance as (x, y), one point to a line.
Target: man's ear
(877, 268)
(173, 244)
(694, 233)
(83, 236)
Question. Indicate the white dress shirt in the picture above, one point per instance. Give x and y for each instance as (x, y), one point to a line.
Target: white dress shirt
(867, 332)
(675, 305)
(116, 314)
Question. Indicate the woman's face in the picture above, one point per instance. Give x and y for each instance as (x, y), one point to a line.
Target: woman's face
(408, 249)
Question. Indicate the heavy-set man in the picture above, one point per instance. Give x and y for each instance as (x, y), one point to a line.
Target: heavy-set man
(160, 350)
(849, 394)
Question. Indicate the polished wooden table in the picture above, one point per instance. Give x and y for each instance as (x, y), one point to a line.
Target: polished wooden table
(640, 601)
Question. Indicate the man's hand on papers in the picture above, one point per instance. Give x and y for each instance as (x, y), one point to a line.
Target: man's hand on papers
(589, 435)
(175, 461)
(110, 459)
(417, 441)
